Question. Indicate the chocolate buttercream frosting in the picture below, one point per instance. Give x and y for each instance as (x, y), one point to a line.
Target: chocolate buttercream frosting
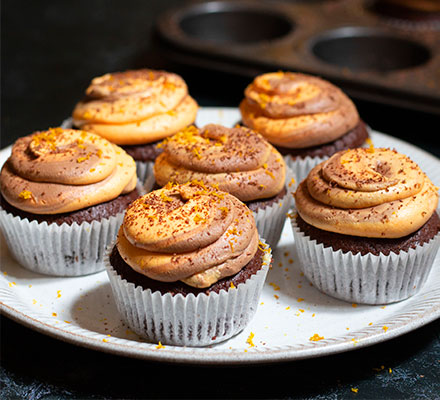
(63, 170)
(236, 160)
(296, 110)
(190, 233)
(376, 193)
(136, 106)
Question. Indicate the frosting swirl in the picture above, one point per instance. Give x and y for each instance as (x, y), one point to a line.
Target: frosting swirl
(236, 160)
(64, 170)
(296, 110)
(188, 233)
(136, 106)
(367, 192)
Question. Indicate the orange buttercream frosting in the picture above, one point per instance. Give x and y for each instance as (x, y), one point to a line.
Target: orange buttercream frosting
(236, 160)
(188, 232)
(367, 192)
(136, 106)
(296, 110)
(63, 170)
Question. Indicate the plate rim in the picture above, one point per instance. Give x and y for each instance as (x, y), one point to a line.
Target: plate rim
(191, 355)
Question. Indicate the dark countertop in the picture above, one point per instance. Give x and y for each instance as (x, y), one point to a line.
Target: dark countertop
(50, 51)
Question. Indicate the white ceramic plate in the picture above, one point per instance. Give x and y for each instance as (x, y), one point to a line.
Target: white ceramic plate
(82, 311)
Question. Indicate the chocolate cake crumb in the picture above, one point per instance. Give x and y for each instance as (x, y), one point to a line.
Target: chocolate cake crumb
(88, 214)
(255, 205)
(376, 246)
(354, 138)
(144, 152)
(126, 272)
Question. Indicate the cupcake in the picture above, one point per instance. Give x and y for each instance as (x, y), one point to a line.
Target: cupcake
(367, 230)
(187, 268)
(235, 160)
(307, 118)
(63, 196)
(136, 109)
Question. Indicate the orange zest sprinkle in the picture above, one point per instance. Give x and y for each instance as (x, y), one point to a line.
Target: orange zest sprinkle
(370, 144)
(266, 170)
(164, 197)
(249, 340)
(198, 218)
(82, 159)
(25, 194)
(224, 210)
(316, 338)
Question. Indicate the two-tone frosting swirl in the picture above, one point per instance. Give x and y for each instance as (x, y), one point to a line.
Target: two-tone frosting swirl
(236, 160)
(63, 170)
(367, 192)
(136, 106)
(296, 111)
(188, 232)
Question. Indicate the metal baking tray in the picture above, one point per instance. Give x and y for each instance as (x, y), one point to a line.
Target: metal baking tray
(371, 56)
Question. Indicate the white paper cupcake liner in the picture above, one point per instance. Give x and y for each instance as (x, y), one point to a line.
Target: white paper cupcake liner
(67, 123)
(270, 220)
(364, 279)
(60, 250)
(301, 167)
(187, 320)
(150, 181)
(144, 170)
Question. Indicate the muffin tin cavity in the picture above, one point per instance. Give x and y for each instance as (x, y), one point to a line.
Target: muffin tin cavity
(418, 11)
(229, 23)
(368, 49)
(342, 41)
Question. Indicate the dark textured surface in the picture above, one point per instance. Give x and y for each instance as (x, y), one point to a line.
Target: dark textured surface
(35, 366)
(126, 272)
(50, 51)
(376, 246)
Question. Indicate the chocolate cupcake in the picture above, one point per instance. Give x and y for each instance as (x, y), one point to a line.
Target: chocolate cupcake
(307, 118)
(367, 230)
(136, 109)
(63, 196)
(187, 267)
(235, 160)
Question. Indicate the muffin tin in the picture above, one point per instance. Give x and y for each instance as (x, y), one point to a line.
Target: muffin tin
(370, 55)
